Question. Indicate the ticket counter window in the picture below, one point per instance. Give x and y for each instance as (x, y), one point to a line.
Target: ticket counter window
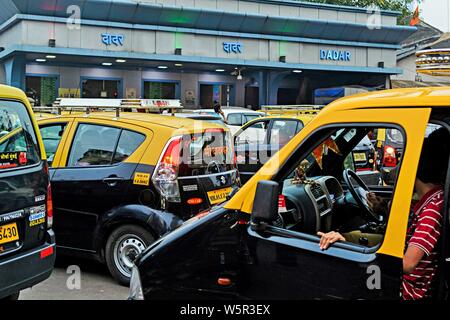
(42, 90)
(97, 89)
(160, 90)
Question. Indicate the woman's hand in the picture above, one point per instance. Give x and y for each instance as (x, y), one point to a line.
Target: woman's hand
(327, 239)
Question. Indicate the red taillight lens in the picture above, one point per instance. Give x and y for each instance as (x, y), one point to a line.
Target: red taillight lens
(46, 252)
(49, 207)
(172, 154)
(390, 156)
(195, 201)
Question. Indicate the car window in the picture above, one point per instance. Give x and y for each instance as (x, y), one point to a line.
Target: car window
(250, 117)
(128, 143)
(18, 142)
(253, 134)
(51, 136)
(283, 131)
(235, 119)
(93, 145)
(319, 179)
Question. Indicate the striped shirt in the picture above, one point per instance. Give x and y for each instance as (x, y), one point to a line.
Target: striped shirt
(424, 232)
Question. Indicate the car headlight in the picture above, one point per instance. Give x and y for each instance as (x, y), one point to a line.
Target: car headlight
(136, 286)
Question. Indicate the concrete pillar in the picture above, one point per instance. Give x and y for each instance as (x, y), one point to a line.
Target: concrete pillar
(275, 79)
(15, 69)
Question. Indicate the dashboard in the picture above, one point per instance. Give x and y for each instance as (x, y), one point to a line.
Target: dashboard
(310, 206)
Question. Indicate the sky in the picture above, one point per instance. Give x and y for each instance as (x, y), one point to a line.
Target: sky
(436, 13)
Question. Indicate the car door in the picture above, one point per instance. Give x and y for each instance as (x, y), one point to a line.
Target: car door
(291, 265)
(91, 179)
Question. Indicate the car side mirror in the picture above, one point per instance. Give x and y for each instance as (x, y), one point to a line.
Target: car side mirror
(265, 205)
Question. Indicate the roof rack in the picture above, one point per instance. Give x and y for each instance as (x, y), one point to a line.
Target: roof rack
(293, 109)
(131, 105)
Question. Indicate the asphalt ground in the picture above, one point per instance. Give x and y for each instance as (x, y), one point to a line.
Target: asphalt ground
(76, 279)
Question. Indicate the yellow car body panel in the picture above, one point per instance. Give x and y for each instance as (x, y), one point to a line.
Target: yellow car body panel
(409, 109)
(159, 129)
(10, 93)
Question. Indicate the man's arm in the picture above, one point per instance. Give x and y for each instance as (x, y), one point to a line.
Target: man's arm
(412, 258)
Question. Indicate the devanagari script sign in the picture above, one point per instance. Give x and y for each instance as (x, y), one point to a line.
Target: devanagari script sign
(232, 47)
(110, 39)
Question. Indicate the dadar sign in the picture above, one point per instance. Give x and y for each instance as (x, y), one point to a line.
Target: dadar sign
(335, 55)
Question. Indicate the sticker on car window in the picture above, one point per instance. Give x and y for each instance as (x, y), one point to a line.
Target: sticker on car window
(141, 179)
(12, 159)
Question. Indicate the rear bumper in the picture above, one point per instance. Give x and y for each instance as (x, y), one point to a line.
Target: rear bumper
(198, 187)
(26, 269)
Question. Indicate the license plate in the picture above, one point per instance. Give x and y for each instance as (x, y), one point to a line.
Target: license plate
(219, 196)
(9, 233)
(360, 157)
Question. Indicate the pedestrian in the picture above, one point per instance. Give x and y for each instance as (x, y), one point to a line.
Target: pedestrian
(218, 110)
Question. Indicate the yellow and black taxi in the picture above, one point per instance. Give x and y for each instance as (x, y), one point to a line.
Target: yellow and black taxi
(27, 242)
(264, 243)
(121, 181)
(258, 140)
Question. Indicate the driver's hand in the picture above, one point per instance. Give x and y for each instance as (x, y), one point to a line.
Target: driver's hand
(327, 239)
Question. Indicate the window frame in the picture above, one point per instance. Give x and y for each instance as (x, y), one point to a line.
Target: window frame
(269, 132)
(248, 126)
(284, 173)
(52, 124)
(121, 129)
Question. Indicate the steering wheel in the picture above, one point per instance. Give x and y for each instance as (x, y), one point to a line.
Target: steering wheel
(359, 193)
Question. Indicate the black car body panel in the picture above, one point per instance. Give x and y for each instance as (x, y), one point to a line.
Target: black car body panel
(28, 268)
(220, 245)
(26, 241)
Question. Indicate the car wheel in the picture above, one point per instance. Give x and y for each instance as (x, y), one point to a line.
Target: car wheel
(122, 248)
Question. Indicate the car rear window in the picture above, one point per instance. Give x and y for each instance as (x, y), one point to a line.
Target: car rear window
(18, 143)
(206, 153)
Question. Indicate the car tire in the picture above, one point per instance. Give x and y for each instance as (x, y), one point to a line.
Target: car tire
(123, 246)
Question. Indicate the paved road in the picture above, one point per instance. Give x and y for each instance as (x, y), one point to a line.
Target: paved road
(96, 284)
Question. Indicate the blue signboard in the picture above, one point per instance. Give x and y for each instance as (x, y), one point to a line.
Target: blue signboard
(116, 39)
(335, 55)
(232, 47)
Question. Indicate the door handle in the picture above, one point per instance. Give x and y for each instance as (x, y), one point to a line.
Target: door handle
(112, 181)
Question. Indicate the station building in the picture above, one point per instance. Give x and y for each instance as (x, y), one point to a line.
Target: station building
(239, 52)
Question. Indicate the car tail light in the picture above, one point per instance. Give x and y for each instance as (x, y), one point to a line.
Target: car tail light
(390, 157)
(165, 177)
(195, 201)
(49, 207)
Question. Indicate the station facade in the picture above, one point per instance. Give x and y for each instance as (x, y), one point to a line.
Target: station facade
(240, 53)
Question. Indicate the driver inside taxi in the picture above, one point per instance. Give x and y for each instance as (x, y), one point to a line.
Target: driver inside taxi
(420, 260)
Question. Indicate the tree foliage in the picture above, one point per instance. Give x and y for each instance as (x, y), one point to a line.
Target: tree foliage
(403, 6)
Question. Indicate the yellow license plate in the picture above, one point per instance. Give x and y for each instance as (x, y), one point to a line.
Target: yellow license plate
(360, 157)
(219, 196)
(9, 233)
